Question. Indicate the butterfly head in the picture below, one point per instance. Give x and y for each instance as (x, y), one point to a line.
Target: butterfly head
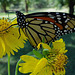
(20, 19)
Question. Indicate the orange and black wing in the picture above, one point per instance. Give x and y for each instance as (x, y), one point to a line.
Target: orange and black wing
(48, 25)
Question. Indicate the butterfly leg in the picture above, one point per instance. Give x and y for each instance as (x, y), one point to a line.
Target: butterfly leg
(8, 27)
(19, 33)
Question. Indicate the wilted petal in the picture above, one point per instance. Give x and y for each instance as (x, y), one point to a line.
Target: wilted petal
(44, 45)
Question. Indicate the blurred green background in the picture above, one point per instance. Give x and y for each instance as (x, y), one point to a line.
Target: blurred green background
(8, 8)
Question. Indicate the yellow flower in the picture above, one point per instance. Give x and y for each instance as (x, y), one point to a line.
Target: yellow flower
(29, 65)
(9, 41)
(43, 66)
(58, 44)
(53, 64)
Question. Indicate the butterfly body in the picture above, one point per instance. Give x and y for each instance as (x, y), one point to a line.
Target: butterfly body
(48, 25)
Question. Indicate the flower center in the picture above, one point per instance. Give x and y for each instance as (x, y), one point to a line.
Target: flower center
(4, 24)
(57, 61)
(60, 61)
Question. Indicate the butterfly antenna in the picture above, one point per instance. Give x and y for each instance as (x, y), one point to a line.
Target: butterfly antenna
(8, 27)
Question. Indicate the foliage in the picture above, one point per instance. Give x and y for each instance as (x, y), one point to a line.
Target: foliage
(57, 3)
(40, 4)
(6, 3)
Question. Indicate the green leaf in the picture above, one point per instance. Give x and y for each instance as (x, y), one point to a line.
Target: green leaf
(30, 53)
(39, 55)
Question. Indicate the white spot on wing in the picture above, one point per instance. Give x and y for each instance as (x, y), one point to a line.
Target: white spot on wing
(39, 19)
(66, 26)
(60, 22)
(46, 21)
(57, 13)
(64, 16)
(23, 24)
(21, 17)
(63, 13)
(26, 23)
(51, 23)
(59, 18)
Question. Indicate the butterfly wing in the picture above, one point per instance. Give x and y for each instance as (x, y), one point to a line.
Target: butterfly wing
(48, 25)
(37, 29)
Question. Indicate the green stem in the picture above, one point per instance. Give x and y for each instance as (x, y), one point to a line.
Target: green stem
(16, 71)
(8, 65)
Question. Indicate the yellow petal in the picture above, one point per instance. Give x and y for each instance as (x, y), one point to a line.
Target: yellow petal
(60, 40)
(63, 51)
(40, 65)
(59, 44)
(29, 65)
(12, 39)
(2, 48)
(48, 71)
(45, 71)
(14, 21)
(44, 45)
(27, 58)
(9, 51)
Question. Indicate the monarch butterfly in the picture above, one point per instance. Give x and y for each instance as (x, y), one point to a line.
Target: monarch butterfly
(50, 25)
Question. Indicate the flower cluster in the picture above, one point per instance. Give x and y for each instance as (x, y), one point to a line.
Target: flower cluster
(53, 60)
